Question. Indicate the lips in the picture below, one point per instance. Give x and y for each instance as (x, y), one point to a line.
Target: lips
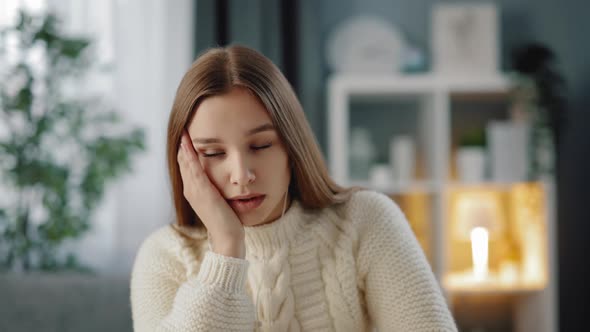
(246, 203)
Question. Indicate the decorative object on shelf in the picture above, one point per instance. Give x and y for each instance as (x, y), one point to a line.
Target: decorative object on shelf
(365, 45)
(61, 149)
(362, 153)
(414, 60)
(539, 96)
(465, 38)
(380, 176)
(507, 143)
(402, 158)
(471, 157)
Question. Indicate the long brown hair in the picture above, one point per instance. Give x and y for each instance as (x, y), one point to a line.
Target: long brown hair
(215, 72)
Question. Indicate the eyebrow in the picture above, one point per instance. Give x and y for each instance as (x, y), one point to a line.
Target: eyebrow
(264, 127)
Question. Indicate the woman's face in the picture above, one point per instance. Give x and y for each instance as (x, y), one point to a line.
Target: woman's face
(242, 154)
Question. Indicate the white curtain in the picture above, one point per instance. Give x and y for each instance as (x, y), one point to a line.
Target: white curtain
(150, 43)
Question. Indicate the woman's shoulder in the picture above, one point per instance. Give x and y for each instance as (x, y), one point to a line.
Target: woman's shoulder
(170, 248)
(160, 244)
(160, 238)
(170, 240)
(367, 210)
(368, 204)
(170, 236)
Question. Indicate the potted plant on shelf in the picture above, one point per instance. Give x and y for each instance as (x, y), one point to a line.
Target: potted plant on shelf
(471, 156)
(60, 145)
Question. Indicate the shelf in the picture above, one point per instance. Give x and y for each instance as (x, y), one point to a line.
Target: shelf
(418, 84)
(495, 290)
(431, 186)
(487, 185)
(428, 187)
(459, 284)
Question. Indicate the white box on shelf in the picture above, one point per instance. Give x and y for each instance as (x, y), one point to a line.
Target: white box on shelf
(402, 159)
(508, 151)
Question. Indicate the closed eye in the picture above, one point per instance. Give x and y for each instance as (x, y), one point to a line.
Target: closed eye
(210, 155)
(253, 147)
(261, 147)
(213, 154)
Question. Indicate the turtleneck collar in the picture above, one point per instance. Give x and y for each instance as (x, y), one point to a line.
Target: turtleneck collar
(264, 240)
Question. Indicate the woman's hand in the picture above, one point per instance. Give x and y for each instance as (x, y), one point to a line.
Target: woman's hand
(226, 232)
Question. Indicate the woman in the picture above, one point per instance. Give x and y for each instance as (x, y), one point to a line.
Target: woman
(263, 238)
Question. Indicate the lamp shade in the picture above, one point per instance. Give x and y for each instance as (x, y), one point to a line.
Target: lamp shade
(477, 208)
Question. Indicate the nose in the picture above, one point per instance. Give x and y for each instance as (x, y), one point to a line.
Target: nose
(241, 173)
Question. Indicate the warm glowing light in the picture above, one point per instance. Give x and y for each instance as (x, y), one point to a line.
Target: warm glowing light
(479, 252)
(511, 221)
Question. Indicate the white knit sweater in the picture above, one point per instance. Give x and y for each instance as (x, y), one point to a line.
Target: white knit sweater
(346, 268)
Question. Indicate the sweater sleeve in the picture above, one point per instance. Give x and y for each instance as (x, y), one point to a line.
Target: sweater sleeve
(401, 292)
(214, 299)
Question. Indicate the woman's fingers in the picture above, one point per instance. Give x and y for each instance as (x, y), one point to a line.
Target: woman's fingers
(184, 163)
(190, 164)
(195, 180)
(192, 157)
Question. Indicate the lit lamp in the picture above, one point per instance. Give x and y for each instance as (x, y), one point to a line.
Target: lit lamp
(479, 252)
(476, 217)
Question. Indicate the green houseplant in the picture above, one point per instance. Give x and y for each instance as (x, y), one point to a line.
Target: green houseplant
(539, 93)
(58, 149)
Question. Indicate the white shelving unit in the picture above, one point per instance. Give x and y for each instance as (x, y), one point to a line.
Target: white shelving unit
(433, 93)
(534, 310)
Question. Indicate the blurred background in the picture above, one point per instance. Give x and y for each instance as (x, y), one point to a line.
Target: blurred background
(471, 115)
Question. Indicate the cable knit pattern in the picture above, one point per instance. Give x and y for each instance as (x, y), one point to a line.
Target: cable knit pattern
(351, 267)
